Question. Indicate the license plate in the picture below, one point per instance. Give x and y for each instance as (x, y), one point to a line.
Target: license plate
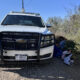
(21, 57)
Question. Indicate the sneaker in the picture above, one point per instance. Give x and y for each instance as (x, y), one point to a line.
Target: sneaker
(71, 61)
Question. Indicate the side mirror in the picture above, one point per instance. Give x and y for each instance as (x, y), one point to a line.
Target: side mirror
(48, 25)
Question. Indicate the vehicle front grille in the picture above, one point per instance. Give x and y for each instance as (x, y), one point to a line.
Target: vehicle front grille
(19, 41)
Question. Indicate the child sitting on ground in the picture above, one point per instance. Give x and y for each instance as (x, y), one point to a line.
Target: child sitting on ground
(66, 56)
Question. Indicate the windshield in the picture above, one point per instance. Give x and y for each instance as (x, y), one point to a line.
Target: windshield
(22, 20)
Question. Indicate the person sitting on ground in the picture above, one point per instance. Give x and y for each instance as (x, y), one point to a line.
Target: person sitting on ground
(66, 56)
(57, 50)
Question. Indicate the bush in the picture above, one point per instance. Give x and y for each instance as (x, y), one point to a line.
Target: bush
(70, 45)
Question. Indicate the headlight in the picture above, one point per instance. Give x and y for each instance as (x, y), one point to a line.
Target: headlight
(42, 38)
(41, 43)
(47, 40)
(52, 41)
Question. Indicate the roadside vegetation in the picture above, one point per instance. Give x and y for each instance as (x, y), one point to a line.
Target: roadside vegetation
(69, 27)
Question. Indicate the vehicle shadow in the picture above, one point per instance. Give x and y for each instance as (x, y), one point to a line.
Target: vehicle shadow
(33, 70)
(51, 71)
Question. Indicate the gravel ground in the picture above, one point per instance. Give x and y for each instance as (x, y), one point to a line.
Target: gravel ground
(56, 70)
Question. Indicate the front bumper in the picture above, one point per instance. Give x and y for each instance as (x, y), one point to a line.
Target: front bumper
(29, 58)
(45, 53)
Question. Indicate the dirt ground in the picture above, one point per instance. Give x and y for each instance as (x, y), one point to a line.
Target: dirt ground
(56, 70)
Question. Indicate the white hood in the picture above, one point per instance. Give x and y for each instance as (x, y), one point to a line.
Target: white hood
(15, 28)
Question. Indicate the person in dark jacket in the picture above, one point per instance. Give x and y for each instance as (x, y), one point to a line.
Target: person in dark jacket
(57, 50)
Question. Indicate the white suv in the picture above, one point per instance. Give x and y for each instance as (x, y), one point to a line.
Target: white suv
(24, 37)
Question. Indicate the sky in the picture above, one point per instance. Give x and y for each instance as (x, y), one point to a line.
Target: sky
(46, 8)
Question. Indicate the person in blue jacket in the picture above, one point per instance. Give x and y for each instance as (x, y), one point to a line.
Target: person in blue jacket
(57, 50)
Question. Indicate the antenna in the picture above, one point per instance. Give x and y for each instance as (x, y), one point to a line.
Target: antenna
(23, 10)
